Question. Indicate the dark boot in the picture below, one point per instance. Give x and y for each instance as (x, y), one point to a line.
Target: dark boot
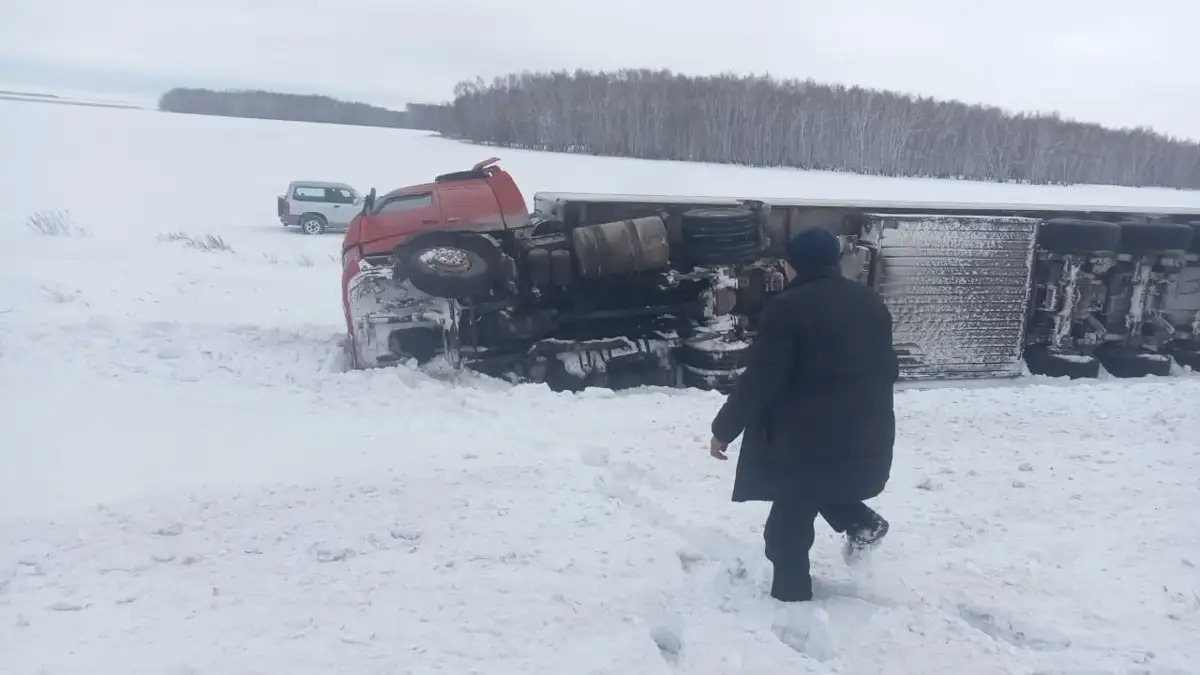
(864, 537)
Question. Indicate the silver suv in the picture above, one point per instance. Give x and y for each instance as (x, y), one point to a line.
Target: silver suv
(316, 206)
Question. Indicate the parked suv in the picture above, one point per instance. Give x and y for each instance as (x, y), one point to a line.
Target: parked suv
(317, 206)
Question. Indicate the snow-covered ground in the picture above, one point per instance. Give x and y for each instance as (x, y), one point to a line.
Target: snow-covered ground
(190, 482)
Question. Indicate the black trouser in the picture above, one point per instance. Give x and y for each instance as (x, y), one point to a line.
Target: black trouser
(789, 534)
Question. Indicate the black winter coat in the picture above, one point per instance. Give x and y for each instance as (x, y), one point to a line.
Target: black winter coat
(815, 400)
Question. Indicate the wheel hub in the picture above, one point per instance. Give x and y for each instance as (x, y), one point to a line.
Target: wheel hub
(445, 259)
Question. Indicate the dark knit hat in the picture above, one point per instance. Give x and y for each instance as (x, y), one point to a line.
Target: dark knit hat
(813, 248)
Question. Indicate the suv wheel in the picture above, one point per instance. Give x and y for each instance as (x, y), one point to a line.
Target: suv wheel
(312, 225)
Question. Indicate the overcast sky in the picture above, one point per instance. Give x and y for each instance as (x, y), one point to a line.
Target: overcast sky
(1117, 62)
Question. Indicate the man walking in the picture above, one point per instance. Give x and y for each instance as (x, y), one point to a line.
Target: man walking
(815, 407)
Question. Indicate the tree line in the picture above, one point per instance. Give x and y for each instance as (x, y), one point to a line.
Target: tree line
(298, 107)
(761, 121)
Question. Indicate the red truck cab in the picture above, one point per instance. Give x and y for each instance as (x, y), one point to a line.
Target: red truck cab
(483, 199)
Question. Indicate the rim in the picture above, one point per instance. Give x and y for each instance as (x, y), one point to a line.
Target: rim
(312, 226)
(446, 259)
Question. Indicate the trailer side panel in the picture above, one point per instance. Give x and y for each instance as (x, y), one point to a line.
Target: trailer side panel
(957, 287)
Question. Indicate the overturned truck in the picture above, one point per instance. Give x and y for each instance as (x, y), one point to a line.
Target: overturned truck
(628, 290)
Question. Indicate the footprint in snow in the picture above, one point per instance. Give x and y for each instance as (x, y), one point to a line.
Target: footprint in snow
(172, 530)
(1001, 629)
(405, 532)
(668, 641)
(804, 626)
(326, 553)
(67, 606)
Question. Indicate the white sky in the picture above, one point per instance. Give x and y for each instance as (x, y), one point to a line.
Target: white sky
(1118, 62)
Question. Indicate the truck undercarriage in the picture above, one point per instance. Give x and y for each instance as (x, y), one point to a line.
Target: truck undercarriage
(619, 291)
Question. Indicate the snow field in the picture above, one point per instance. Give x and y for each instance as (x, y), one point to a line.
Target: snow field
(193, 483)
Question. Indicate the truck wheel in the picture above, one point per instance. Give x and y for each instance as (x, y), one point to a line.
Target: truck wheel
(1185, 352)
(727, 355)
(722, 381)
(1137, 237)
(312, 224)
(1049, 362)
(1195, 237)
(447, 271)
(1128, 362)
(1075, 235)
(720, 236)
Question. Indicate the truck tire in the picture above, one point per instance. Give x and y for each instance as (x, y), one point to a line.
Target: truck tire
(445, 271)
(1129, 362)
(1185, 352)
(722, 381)
(312, 223)
(720, 236)
(1139, 237)
(1076, 235)
(1042, 360)
(714, 359)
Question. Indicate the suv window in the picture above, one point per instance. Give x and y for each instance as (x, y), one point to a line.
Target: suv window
(309, 194)
(339, 195)
(323, 194)
(406, 203)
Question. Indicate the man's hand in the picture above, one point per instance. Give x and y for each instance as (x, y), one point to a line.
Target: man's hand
(717, 448)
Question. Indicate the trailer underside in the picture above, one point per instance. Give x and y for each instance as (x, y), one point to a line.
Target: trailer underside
(591, 297)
